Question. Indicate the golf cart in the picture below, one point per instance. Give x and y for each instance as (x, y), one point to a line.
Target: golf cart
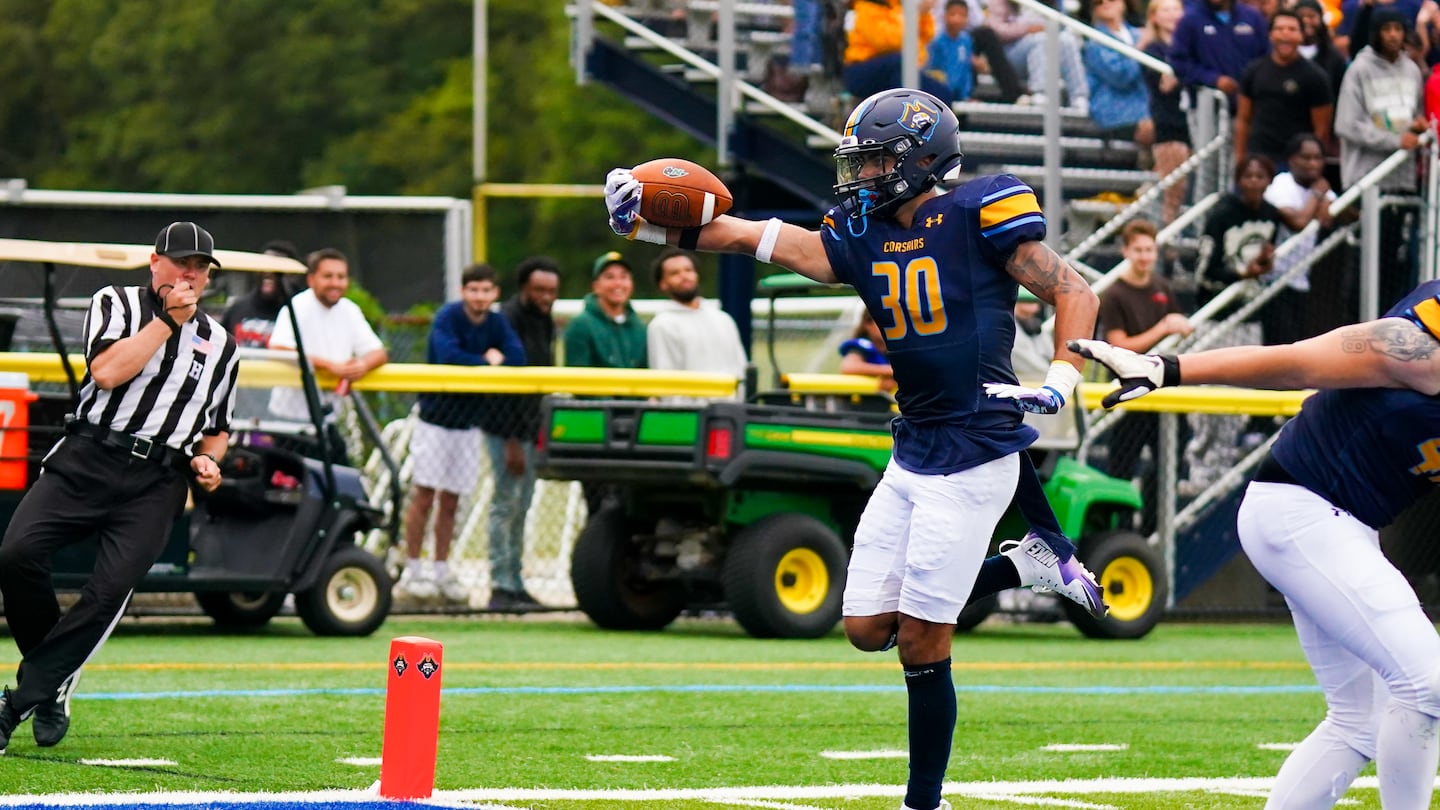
(753, 505)
(286, 518)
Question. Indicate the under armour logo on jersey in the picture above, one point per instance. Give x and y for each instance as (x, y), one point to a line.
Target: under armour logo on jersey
(196, 369)
(1042, 554)
(931, 222)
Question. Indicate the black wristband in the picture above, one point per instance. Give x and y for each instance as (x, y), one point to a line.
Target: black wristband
(689, 238)
(211, 457)
(164, 317)
(1172, 370)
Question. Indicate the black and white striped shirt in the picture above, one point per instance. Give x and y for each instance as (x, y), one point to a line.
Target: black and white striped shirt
(186, 389)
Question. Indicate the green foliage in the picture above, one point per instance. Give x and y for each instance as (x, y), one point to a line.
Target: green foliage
(272, 96)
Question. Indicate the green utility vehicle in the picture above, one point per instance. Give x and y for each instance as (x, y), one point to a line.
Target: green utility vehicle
(752, 506)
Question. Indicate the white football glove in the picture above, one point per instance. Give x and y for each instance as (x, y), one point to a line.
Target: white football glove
(622, 200)
(1139, 374)
(1031, 400)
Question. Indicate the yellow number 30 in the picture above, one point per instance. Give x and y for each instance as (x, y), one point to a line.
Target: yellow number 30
(920, 307)
(1429, 465)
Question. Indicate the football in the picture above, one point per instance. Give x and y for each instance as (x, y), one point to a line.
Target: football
(676, 193)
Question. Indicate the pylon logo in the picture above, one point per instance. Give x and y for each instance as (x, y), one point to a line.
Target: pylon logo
(399, 665)
(428, 666)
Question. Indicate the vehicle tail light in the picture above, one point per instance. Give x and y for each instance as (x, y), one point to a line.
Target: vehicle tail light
(717, 442)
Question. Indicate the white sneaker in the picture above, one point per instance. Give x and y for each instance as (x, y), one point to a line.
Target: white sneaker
(1040, 568)
(454, 591)
(416, 586)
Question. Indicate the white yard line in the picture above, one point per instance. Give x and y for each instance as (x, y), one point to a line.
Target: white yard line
(128, 763)
(884, 754)
(362, 761)
(1276, 746)
(1078, 747)
(1038, 793)
(629, 758)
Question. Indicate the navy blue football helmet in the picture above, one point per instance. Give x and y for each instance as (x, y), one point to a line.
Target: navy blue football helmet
(915, 129)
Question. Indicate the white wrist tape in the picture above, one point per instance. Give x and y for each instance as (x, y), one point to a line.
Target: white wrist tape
(766, 248)
(1062, 379)
(645, 232)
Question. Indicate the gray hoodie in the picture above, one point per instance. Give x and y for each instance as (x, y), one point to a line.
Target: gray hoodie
(1378, 100)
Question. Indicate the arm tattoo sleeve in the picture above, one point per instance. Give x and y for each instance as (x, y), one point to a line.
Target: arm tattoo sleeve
(1391, 337)
(1041, 270)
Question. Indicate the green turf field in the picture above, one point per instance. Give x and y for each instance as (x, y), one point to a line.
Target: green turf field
(530, 704)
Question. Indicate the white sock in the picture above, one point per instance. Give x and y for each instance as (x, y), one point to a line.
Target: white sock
(442, 568)
(412, 567)
(1406, 756)
(1318, 772)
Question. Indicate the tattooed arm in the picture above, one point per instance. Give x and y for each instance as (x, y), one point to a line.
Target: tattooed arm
(1386, 353)
(1041, 271)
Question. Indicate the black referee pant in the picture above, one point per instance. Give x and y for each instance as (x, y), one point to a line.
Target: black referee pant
(86, 488)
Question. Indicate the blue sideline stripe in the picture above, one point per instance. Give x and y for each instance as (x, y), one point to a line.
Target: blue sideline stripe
(612, 690)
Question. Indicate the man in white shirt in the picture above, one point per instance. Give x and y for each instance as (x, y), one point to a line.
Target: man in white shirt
(337, 337)
(686, 334)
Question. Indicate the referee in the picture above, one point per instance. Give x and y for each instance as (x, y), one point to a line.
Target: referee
(154, 413)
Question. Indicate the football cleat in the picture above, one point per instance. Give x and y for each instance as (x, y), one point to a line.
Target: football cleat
(50, 722)
(944, 805)
(1040, 568)
(9, 718)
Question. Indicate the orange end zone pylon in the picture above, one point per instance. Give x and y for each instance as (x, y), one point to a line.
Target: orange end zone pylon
(412, 719)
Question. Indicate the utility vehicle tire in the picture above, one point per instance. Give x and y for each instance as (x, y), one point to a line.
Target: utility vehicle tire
(351, 596)
(975, 613)
(1132, 575)
(236, 609)
(607, 572)
(784, 576)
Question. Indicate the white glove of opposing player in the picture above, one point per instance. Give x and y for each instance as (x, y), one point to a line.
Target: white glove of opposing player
(622, 200)
(1139, 374)
(1031, 400)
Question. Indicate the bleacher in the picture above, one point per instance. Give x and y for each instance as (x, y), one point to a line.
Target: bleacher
(995, 137)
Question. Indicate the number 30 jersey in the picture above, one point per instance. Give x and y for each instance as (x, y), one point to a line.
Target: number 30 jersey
(1370, 451)
(939, 292)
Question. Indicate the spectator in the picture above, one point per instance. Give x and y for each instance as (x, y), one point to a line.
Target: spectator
(1137, 312)
(1318, 46)
(337, 338)
(685, 334)
(251, 318)
(876, 38)
(607, 333)
(1238, 243)
(1281, 95)
(1381, 110)
(1357, 24)
(1023, 36)
(1213, 43)
(1302, 195)
(445, 446)
(1121, 104)
(864, 353)
(511, 448)
(952, 52)
(1172, 130)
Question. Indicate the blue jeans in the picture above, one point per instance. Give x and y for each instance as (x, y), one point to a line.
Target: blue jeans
(508, 507)
(805, 42)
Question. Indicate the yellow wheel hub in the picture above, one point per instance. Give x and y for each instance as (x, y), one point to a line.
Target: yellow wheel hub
(1129, 588)
(802, 581)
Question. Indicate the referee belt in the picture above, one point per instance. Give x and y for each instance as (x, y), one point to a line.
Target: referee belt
(137, 446)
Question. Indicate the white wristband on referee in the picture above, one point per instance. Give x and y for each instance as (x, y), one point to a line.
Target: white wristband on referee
(645, 232)
(766, 248)
(1062, 379)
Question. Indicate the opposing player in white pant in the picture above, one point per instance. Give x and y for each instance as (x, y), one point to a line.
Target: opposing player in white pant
(1357, 454)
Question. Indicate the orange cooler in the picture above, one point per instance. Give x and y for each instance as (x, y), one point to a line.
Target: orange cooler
(15, 399)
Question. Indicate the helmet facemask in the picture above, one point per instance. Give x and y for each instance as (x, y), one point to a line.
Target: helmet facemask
(878, 194)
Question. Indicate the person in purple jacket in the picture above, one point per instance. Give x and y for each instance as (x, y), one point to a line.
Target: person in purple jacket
(1214, 42)
(445, 446)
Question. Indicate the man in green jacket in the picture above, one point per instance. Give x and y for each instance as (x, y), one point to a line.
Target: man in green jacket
(608, 333)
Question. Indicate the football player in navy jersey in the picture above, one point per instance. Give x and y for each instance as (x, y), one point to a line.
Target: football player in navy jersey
(939, 274)
(1358, 453)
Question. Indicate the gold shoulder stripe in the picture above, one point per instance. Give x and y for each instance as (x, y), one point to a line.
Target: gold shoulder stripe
(1428, 311)
(1008, 208)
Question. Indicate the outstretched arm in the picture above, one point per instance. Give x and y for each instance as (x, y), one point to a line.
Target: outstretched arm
(1385, 353)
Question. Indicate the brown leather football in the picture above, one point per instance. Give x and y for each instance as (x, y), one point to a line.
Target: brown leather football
(677, 193)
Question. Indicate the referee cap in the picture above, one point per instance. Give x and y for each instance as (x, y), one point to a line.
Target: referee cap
(182, 239)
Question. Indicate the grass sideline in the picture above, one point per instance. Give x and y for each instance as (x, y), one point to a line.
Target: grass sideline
(526, 701)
